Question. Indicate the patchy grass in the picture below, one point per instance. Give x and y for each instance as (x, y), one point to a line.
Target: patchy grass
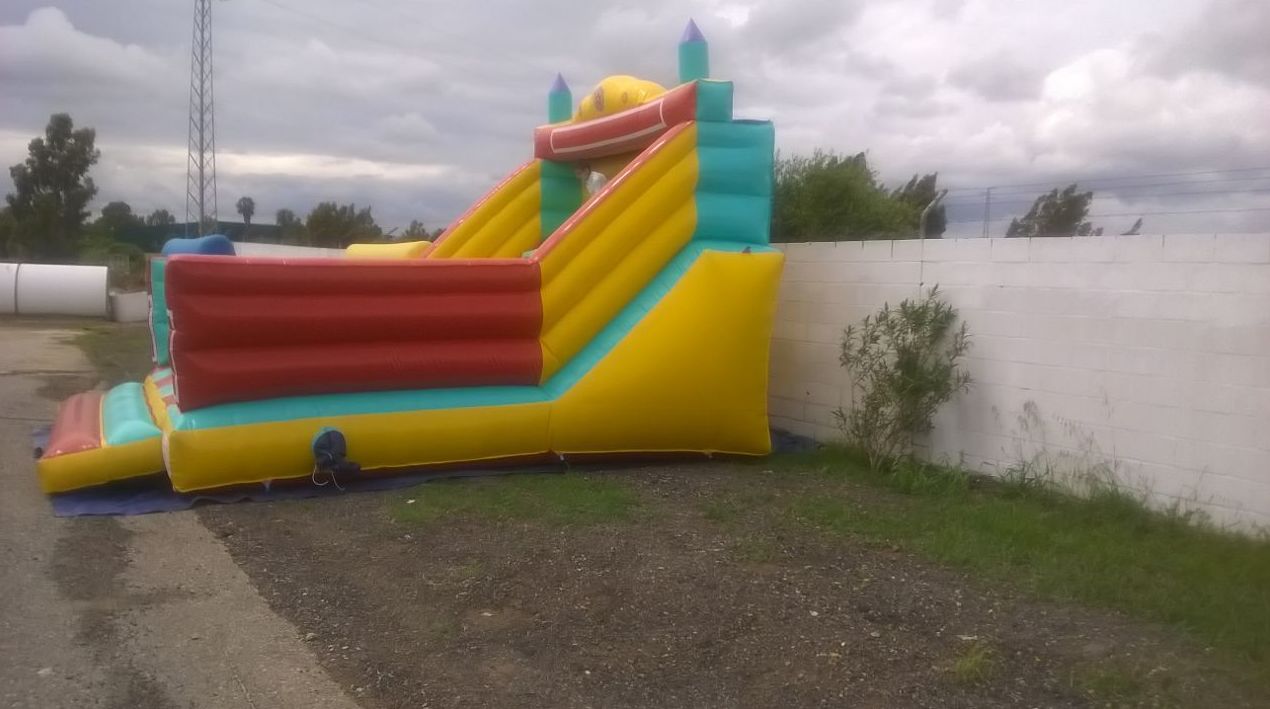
(756, 548)
(120, 353)
(1111, 684)
(975, 664)
(556, 499)
(1107, 550)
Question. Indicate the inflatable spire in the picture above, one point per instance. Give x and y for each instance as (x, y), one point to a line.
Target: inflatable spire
(559, 101)
(694, 55)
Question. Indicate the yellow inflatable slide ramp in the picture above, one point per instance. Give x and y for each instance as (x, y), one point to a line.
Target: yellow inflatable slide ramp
(399, 249)
(503, 224)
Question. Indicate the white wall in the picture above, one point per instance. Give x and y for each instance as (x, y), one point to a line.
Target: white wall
(1146, 357)
(246, 248)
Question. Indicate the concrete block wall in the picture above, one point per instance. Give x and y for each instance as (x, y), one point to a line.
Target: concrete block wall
(251, 248)
(1143, 358)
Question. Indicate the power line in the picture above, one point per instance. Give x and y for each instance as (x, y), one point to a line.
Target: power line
(996, 203)
(1121, 188)
(1092, 180)
(1230, 210)
(1185, 211)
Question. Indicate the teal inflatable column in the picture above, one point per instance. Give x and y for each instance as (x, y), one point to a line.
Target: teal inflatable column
(561, 191)
(694, 55)
(559, 101)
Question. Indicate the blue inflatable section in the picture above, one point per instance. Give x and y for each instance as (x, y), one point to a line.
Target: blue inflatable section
(210, 245)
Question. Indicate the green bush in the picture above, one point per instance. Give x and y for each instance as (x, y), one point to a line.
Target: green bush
(904, 364)
(126, 262)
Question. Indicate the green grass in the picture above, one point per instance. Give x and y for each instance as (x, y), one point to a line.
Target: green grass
(977, 663)
(1107, 550)
(1111, 684)
(724, 510)
(119, 353)
(563, 500)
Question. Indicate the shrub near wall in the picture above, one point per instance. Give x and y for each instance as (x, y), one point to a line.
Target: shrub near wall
(1146, 356)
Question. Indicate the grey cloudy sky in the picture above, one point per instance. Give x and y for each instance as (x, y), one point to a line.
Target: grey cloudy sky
(416, 107)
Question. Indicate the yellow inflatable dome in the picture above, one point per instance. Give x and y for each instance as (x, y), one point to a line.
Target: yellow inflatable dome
(615, 94)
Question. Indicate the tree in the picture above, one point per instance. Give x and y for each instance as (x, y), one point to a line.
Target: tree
(247, 208)
(336, 226)
(160, 217)
(1056, 214)
(52, 190)
(828, 197)
(115, 218)
(7, 225)
(919, 192)
(292, 229)
(416, 232)
(1135, 229)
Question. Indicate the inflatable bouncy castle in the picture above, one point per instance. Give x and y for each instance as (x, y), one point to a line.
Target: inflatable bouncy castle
(543, 324)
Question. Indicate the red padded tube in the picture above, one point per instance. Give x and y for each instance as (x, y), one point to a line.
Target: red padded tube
(221, 376)
(77, 426)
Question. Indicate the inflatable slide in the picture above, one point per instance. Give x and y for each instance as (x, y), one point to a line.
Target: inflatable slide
(544, 323)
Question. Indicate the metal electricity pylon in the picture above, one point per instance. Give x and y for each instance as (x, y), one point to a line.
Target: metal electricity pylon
(200, 179)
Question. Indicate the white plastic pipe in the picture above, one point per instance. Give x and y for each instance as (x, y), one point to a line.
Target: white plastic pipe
(54, 289)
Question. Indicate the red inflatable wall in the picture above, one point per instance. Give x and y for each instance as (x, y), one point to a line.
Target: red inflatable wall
(245, 328)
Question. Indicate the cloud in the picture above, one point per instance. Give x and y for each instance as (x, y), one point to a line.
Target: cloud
(1098, 106)
(418, 112)
(998, 77)
(47, 49)
(1228, 37)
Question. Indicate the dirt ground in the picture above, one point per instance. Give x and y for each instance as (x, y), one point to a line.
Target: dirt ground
(683, 602)
(671, 608)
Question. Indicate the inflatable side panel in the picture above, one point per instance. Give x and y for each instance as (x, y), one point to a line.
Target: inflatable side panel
(690, 376)
(248, 453)
(246, 329)
(734, 196)
(159, 329)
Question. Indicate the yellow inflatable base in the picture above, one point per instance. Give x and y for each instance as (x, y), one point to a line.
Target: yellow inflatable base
(691, 376)
(100, 465)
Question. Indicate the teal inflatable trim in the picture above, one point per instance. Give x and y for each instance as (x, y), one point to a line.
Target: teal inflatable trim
(377, 402)
(324, 405)
(714, 101)
(694, 61)
(561, 196)
(734, 189)
(125, 416)
(159, 325)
